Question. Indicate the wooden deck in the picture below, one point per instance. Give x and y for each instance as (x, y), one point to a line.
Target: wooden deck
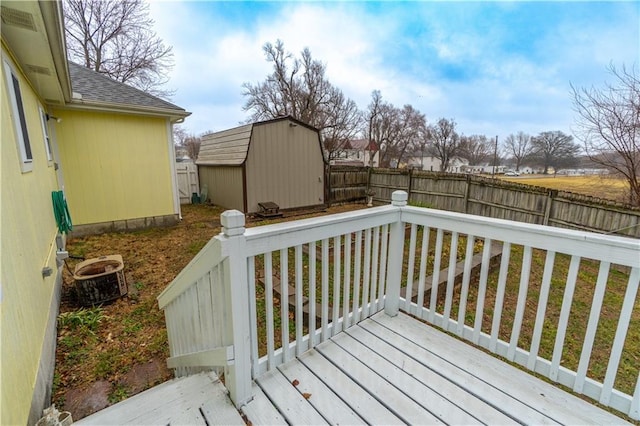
(382, 371)
(200, 399)
(398, 370)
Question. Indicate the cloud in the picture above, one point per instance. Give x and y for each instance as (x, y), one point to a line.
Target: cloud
(496, 68)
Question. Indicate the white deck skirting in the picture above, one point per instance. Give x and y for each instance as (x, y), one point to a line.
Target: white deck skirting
(398, 370)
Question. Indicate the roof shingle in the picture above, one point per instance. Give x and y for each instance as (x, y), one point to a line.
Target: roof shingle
(94, 86)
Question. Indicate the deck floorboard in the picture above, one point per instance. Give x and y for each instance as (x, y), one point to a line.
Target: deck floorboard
(399, 370)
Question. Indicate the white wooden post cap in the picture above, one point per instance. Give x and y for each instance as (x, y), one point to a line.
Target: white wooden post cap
(399, 198)
(232, 223)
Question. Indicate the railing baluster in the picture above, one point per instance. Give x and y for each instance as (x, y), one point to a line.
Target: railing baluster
(336, 285)
(621, 334)
(634, 411)
(451, 276)
(374, 270)
(424, 259)
(542, 308)
(521, 304)
(216, 280)
(567, 300)
(482, 290)
(411, 266)
(325, 290)
(436, 276)
(382, 278)
(312, 294)
(347, 280)
(284, 303)
(268, 302)
(356, 278)
(464, 291)
(299, 303)
(367, 273)
(251, 277)
(502, 282)
(592, 325)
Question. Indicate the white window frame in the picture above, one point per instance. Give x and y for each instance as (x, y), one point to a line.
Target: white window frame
(19, 118)
(44, 118)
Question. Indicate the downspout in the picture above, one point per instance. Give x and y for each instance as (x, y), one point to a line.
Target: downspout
(174, 173)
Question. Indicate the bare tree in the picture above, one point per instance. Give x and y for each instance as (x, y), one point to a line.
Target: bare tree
(445, 142)
(192, 146)
(396, 132)
(298, 87)
(477, 149)
(609, 126)
(519, 146)
(342, 120)
(555, 149)
(115, 38)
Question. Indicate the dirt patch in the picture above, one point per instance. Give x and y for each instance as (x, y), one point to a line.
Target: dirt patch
(82, 402)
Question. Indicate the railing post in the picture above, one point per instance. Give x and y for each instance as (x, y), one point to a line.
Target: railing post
(237, 327)
(396, 243)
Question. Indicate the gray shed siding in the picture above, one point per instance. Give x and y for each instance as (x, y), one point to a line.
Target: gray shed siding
(284, 165)
(224, 185)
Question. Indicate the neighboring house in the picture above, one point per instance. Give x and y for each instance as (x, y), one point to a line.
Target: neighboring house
(111, 152)
(425, 162)
(433, 164)
(278, 160)
(358, 152)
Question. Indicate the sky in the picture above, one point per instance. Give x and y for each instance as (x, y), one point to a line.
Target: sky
(495, 68)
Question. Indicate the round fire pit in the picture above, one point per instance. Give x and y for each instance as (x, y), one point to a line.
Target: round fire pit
(100, 280)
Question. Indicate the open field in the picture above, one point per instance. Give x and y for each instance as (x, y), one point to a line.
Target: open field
(607, 187)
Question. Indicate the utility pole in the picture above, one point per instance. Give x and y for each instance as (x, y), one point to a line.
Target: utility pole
(495, 159)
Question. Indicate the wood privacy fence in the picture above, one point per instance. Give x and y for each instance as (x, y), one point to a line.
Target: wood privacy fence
(485, 197)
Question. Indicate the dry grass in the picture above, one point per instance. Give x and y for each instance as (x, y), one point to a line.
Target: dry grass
(606, 187)
(107, 342)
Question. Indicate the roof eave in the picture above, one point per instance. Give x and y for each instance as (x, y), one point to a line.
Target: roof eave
(54, 22)
(172, 114)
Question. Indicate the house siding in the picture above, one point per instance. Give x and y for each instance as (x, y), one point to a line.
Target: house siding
(28, 245)
(224, 185)
(284, 165)
(115, 166)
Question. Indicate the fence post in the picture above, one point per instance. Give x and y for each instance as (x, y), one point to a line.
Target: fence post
(467, 190)
(396, 243)
(238, 325)
(547, 208)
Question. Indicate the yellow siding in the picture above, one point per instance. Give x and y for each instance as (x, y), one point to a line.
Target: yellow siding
(115, 166)
(285, 166)
(27, 245)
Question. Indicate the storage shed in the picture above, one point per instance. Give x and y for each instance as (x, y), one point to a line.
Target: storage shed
(278, 161)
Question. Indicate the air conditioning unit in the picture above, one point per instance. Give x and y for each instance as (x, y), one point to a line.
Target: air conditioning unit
(100, 280)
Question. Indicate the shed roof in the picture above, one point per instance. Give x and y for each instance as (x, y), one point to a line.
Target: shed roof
(99, 90)
(230, 147)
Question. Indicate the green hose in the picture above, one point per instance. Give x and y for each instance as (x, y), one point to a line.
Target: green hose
(61, 212)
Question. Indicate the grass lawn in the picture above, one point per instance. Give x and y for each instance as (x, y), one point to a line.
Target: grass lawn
(607, 187)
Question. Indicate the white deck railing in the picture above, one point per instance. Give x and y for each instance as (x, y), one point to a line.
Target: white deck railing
(253, 299)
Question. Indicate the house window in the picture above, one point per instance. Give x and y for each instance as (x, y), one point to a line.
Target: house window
(19, 119)
(45, 133)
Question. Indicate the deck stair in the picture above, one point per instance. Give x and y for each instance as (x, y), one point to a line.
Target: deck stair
(199, 399)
